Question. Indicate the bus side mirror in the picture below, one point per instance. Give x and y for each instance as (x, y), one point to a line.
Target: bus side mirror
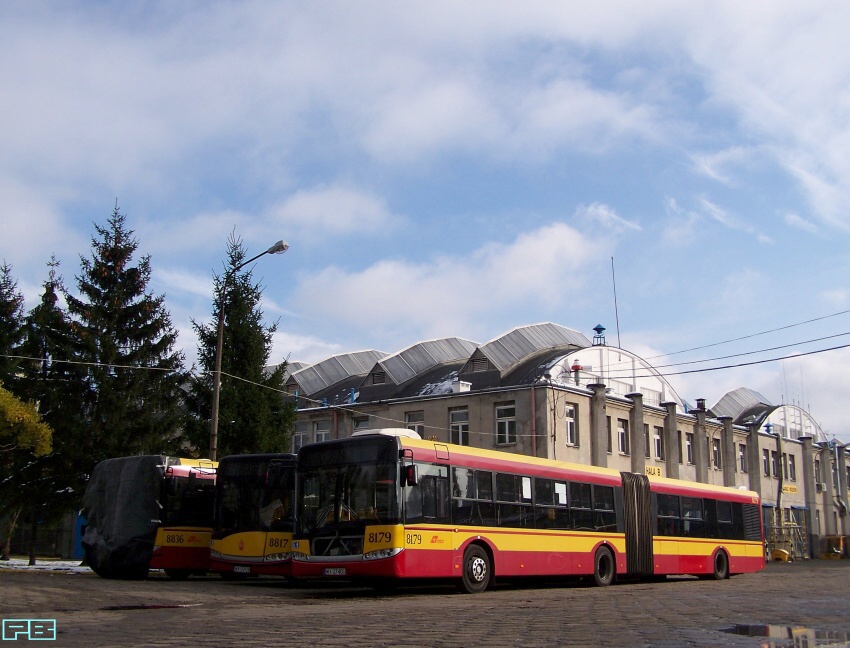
(411, 474)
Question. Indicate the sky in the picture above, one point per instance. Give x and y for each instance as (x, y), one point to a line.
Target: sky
(677, 172)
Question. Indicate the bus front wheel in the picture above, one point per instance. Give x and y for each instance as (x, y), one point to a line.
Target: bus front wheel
(603, 567)
(476, 570)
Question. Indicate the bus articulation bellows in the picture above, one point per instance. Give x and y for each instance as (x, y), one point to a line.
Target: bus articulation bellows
(386, 505)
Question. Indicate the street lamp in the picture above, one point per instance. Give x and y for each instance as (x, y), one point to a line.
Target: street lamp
(278, 248)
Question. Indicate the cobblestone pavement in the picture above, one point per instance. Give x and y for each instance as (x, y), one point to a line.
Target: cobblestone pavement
(91, 611)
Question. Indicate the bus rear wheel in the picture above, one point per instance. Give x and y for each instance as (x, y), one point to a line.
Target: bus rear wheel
(603, 567)
(721, 565)
(476, 570)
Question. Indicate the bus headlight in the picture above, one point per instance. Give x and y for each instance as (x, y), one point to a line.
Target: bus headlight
(297, 555)
(381, 553)
(278, 557)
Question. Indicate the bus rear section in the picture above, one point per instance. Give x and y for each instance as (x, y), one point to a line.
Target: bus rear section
(254, 519)
(148, 512)
(182, 543)
(389, 506)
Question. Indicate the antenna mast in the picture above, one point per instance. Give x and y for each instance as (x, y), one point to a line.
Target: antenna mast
(616, 313)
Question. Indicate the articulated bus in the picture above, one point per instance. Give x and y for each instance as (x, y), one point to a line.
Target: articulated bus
(386, 505)
(252, 533)
(149, 512)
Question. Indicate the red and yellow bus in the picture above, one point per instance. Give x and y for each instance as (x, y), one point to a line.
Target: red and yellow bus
(388, 505)
(252, 533)
(182, 544)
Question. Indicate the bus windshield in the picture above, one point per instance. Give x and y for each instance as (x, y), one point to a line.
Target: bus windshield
(254, 494)
(339, 495)
(348, 483)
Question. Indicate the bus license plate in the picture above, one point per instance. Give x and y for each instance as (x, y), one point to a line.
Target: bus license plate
(334, 571)
(241, 569)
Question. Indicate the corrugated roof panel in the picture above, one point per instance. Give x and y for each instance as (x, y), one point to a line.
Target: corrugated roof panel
(335, 369)
(525, 341)
(421, 357)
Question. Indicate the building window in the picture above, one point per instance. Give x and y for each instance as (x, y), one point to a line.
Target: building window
(610, 441)
(818, 479)
(299, 438)
(321, 431)
(765, 460)
(646, 445)
(785, 465)
(659, 443)
(459, 426)
(379, 378)
(679, 435)
(689, 447)
(505, 424)
(792, 467)
(623, 436)
(742, 457)
(415, 421)
(570, 419)
(716, 454)
(774, 463)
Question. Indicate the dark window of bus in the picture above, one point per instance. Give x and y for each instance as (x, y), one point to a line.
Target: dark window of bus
(472, 497)
(551, 510)
(581, 506)
(692, 517)
(188, 500)
(668, 515)
(513, 492)
(428, 501)
(604, 517)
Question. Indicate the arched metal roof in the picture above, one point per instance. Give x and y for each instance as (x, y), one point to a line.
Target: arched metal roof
(408, 363)
(328, 372)
(524, 342)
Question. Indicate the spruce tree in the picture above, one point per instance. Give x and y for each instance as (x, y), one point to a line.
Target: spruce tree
(52, 378)
(125, 335)
(11, 325)
(252, 414)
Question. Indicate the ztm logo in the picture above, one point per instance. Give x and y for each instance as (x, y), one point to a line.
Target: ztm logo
(29, 629)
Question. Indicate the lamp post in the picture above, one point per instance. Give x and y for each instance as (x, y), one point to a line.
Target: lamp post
(278, 248)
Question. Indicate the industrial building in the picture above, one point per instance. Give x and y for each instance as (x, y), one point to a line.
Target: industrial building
(549, 391)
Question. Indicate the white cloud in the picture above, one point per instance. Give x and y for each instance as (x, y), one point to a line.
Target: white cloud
(458, 294)
(681, 225)
(301, 348)
(798, 222)
(716, 165)
(332, 211)
(607, 217)
(722, 216)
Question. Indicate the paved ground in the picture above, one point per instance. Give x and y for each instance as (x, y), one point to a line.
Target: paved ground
(91, 611)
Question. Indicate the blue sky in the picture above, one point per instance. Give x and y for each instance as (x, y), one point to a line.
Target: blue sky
(455, 169)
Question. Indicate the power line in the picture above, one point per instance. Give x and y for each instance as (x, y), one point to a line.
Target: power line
(752, 335)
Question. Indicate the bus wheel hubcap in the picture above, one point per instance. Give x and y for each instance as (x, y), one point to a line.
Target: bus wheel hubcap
(477, 569)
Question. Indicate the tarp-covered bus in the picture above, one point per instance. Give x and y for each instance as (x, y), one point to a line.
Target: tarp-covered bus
(149, 512)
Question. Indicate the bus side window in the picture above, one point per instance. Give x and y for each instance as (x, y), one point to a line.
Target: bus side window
(428, 501)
